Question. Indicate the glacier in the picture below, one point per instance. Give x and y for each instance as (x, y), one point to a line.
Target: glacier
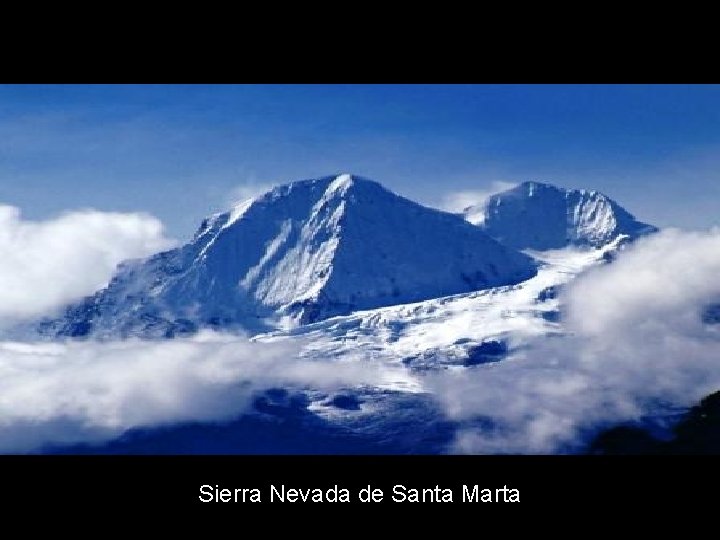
(452, 331)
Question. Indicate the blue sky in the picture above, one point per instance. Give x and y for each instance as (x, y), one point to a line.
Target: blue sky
(181, 152)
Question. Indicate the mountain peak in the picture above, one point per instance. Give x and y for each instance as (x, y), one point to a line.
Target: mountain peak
(334, 181)
(534, 188)
(343, 184)
(331, 187)
(534, 184)
(538, 215)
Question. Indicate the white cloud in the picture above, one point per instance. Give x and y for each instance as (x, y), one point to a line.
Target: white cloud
(91, 392)
(46, 264)
(636, 346)
(247, 190)
(459, 201)
(663, 279)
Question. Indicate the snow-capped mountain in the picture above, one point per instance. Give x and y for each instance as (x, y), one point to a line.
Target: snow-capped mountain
(341, 269)
(542, 216)
(300, 253)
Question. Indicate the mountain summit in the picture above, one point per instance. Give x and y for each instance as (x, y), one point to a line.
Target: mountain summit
(304, 251)
(542, 216)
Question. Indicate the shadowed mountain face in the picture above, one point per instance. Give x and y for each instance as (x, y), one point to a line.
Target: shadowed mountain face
(697, 433)
(541, 216)
(304, 251)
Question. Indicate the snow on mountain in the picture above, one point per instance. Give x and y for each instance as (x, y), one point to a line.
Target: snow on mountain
(542, 216)
(300, 253)
(457, 330)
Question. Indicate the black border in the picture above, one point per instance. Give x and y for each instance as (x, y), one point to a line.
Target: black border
(559, 487)
(547, 484)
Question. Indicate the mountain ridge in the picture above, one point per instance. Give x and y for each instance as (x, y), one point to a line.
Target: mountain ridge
(299, 253)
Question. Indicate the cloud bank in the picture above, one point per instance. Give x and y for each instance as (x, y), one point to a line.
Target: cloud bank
(63, 393)
(46, 264)
(636, 346)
